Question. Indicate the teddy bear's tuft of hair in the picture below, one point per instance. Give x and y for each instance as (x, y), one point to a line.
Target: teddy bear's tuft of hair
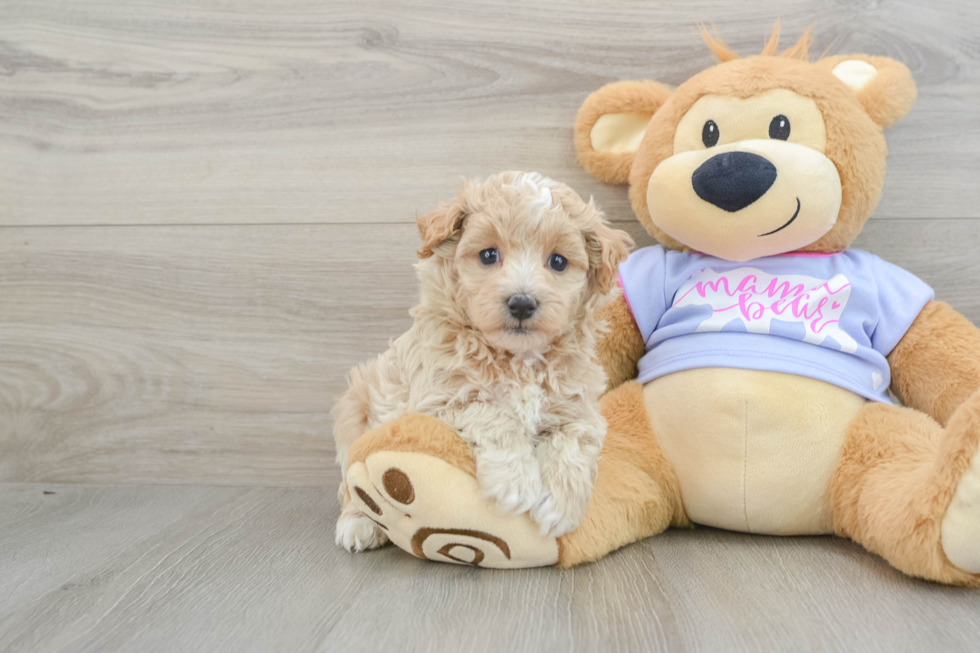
(801, 50)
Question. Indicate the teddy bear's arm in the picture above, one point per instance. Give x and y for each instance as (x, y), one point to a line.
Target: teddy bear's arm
(936, 365)
(619, 350)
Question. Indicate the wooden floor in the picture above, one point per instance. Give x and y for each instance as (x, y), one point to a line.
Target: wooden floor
(165, 568)
(206, 217)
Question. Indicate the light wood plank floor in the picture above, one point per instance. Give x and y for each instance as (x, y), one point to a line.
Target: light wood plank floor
(206, 217)
(156, 568)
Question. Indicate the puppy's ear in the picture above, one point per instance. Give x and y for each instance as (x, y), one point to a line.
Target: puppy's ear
(439, 226)
(607, 248)
(883, 86)
(610, 125)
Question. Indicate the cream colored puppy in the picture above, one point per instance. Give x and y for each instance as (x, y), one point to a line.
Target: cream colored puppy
(502, 349)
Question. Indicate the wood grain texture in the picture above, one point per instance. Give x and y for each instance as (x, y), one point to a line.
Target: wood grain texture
(211, 354)
(206, 354)
(200, 112)
(205, 209)
(234, 569)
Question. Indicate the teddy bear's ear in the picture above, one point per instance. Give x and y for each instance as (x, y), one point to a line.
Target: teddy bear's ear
(610, 125)
(884, 87)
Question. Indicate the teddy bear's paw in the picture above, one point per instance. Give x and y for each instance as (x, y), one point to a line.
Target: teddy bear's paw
(512, 479)
(434, 510)
(356, 532)
(961, 525)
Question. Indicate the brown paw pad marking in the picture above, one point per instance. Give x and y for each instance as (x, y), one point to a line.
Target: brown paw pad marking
(368, 501)
(398, 486)
(477, 553)
(424, 533)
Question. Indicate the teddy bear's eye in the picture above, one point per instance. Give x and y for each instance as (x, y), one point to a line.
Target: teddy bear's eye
(779, 127)
(489, 256)
(709, 134)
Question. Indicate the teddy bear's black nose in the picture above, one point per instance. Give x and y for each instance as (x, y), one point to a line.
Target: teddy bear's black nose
(733, 180)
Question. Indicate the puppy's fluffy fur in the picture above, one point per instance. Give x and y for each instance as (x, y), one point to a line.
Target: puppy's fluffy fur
(522, 391)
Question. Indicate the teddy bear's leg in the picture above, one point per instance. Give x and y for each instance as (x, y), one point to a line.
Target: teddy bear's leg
(909, 490)
(636, 493)
(416, 479)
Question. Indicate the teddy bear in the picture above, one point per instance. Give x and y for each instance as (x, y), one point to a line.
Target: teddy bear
(750, 353)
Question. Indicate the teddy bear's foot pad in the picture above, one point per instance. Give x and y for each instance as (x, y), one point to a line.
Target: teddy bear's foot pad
(436, 511)
(961, 525)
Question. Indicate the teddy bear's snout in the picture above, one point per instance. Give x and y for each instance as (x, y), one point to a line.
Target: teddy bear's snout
(733, 180)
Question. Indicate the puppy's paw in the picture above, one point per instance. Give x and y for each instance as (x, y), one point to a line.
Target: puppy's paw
(356, 533)
(512, 479)
(558, 515)
(567, 477)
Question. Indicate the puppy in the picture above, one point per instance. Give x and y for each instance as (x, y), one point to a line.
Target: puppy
(502, 349)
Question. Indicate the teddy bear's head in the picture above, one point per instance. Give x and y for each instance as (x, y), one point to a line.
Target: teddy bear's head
(752, 157)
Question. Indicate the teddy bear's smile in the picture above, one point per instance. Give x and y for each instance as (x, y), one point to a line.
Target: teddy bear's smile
(788, 223)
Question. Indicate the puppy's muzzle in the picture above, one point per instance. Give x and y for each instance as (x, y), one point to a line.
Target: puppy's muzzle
(521, 306)
(733, 180)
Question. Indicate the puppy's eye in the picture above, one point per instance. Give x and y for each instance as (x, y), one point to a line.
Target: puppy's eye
(779, 127)
(489, 256)
(557, 262)
(710, 134)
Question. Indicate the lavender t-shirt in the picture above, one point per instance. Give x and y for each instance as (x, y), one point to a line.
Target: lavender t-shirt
(830, 317)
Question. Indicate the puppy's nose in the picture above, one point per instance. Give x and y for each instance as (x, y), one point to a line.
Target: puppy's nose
(521, 306)
(733, 180)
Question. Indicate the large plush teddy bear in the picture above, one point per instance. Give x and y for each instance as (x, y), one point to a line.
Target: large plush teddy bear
(751, 353)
